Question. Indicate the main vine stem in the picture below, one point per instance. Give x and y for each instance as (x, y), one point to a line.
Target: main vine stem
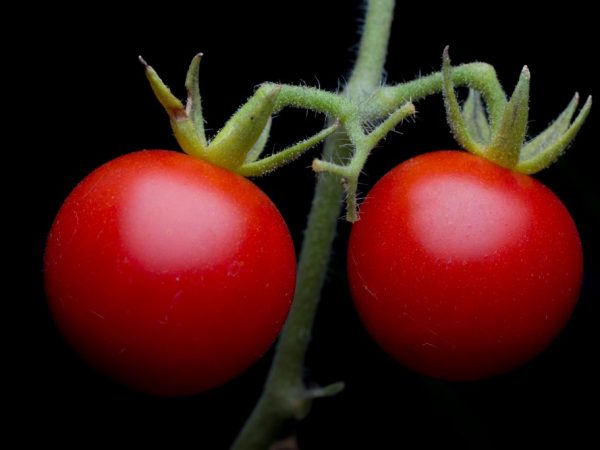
(285, 395)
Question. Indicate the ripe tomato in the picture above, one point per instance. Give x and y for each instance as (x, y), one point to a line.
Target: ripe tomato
(167, 273)
(461, 269)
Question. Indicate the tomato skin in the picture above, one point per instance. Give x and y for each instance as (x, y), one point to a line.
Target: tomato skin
(461, 269)
(167, 273)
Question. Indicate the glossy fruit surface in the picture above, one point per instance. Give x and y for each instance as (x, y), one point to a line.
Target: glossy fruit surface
(167, 273)
(461, 269)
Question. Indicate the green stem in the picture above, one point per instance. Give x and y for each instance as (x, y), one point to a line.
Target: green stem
(366, 75)
(479, 76)
(312, 267)
(312, 99)
(285, 395)
(382, 102)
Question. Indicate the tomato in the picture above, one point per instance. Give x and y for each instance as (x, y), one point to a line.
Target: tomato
(461, 269)
(167, 273)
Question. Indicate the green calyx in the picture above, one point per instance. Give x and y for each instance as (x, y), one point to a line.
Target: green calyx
(238, 146)
(503, 140)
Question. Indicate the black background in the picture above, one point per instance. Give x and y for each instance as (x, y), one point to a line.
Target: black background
(96, 105)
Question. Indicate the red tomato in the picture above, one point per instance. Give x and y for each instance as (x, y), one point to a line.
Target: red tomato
(461, 269)
(169, 274)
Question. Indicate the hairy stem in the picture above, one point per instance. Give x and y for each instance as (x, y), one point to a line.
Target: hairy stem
(479, 76)
(368, 69)
(285, 395)
(312, 99)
